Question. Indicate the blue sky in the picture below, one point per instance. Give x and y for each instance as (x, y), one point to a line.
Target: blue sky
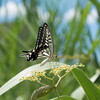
(68, 12)
(10, 9)
(6, 1)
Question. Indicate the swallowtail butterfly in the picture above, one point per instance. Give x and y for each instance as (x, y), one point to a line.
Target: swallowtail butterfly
(43, 47)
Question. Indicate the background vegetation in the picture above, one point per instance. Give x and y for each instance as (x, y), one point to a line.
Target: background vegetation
(74, 42)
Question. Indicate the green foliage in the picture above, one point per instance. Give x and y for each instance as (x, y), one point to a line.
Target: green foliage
(72, 42)
(90, 89)
(64, 98)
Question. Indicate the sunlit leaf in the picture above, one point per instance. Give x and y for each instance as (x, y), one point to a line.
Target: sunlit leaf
(80, 90)
(90, 89)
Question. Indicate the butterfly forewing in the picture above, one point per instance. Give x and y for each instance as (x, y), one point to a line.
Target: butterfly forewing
(49, 40)
(44, 43)
(39, 38)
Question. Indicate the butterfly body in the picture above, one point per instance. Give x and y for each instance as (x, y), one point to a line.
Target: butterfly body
(43, 47)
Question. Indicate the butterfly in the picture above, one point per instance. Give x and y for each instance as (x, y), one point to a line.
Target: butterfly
(44, 46)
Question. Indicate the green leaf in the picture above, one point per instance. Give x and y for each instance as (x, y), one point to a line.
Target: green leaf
(80, 28)
(75, 93)
(96, 3)
(65, 97)
(41, 92)
(90, 89)
(94, 46)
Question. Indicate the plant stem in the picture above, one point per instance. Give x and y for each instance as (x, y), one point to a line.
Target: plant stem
(58, 81)
(56, 90)
(48, 77)
(64, 75)
(41, 83)
(57, 93)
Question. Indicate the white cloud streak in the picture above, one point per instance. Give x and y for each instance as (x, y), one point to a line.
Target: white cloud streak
(44, 16)
(92, 17)
(11, 10)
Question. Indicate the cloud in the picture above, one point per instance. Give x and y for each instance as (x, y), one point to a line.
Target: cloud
(11, 10)
(69, 15)
(92, 17)
(44, 16)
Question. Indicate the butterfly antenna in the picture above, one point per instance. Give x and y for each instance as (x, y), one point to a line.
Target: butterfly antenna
(25, 51)
(22, 55)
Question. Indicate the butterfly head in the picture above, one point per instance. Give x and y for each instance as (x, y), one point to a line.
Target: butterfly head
(30, 55)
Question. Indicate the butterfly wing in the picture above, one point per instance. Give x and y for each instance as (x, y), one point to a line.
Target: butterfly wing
(39, 41)
(44, 44)
(48, 39)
